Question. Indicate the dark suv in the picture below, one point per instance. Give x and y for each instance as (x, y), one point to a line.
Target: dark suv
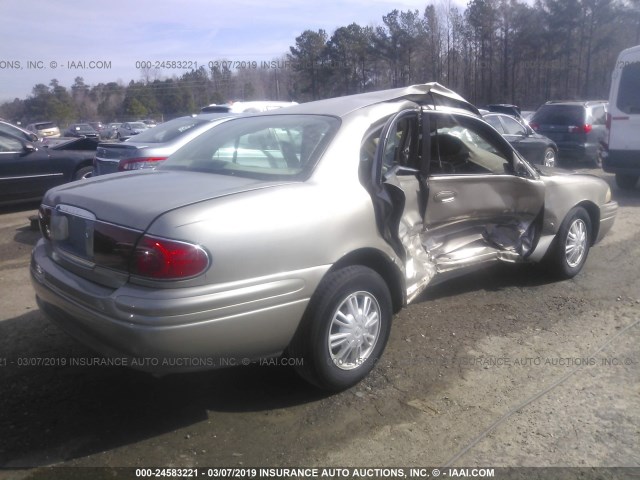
(578, 128)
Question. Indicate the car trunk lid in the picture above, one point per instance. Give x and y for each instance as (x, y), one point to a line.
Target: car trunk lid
(135, 199)
(94, 225)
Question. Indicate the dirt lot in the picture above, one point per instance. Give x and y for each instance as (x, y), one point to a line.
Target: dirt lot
(503, 367)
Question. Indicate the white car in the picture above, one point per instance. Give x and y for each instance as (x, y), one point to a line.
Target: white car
(246, 107)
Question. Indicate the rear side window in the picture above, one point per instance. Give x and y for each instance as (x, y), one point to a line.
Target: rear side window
(169, 130)
(263, 147)
(560, 115)
(494, 121)
(512, 127)
(628, 100)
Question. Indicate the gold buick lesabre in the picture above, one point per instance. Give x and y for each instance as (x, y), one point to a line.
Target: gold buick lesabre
(301, 231)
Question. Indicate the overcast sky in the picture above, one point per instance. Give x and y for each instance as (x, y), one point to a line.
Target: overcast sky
(39, 39)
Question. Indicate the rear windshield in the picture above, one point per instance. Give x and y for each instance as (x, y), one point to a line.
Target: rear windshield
(44, 126)
(216, 109)
(263, 147)
(559, 115)
(629, 89)
(167, 131)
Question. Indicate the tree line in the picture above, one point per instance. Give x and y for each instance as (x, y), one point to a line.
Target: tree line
(493, 51)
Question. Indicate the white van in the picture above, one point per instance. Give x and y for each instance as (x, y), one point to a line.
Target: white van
(623, 120)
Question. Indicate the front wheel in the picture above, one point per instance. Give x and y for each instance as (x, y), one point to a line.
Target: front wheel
(572, 243)
(345, 328)
(549, 159)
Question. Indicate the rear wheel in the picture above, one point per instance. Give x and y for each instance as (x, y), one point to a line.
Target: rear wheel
(597, 160)
(82, 173)
(571, 246)
(345, 328)
(626, 182)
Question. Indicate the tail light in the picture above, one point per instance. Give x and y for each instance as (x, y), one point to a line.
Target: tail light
(162, 259)
(125, 250)
(534, 125)
(586, 128)
(139, 163)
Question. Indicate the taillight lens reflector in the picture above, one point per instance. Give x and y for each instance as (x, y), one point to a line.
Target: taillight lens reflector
(139, 163)
(163, 259)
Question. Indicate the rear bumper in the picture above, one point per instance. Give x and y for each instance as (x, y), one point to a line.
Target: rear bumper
(175, 330)
(577, 151)
(622, 161)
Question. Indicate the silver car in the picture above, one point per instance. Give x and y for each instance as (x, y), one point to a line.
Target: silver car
(128, 129)
(300, 232)
(153, 146)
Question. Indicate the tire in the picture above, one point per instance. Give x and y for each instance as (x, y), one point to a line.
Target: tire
(549, 157)
(597, 160)
(626, 182)
(82, 173)
(571, 246)
(330, 314)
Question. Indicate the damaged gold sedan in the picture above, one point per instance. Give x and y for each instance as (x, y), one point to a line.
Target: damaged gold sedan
(300, 231)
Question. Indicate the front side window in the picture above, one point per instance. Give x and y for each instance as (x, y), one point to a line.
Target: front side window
(9, 144)
(284, 146)
(462, 145)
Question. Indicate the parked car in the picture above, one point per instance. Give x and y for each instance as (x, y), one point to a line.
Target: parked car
(302, 232)
(506, 109)
(128, 129)
(246, 107)
(97, 126)
(536, 148)
(12, 129)
(44, 129)
(622, 154)
(150, 123)
(151, 147)
(28, 169)
(578, 128)
(109, 131)
(80, 130)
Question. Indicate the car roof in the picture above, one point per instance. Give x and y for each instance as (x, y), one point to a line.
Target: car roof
(432, 94)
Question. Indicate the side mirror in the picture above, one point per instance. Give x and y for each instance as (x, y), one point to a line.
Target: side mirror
(28, 148)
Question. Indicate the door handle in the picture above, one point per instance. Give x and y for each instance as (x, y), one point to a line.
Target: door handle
(445, 196)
